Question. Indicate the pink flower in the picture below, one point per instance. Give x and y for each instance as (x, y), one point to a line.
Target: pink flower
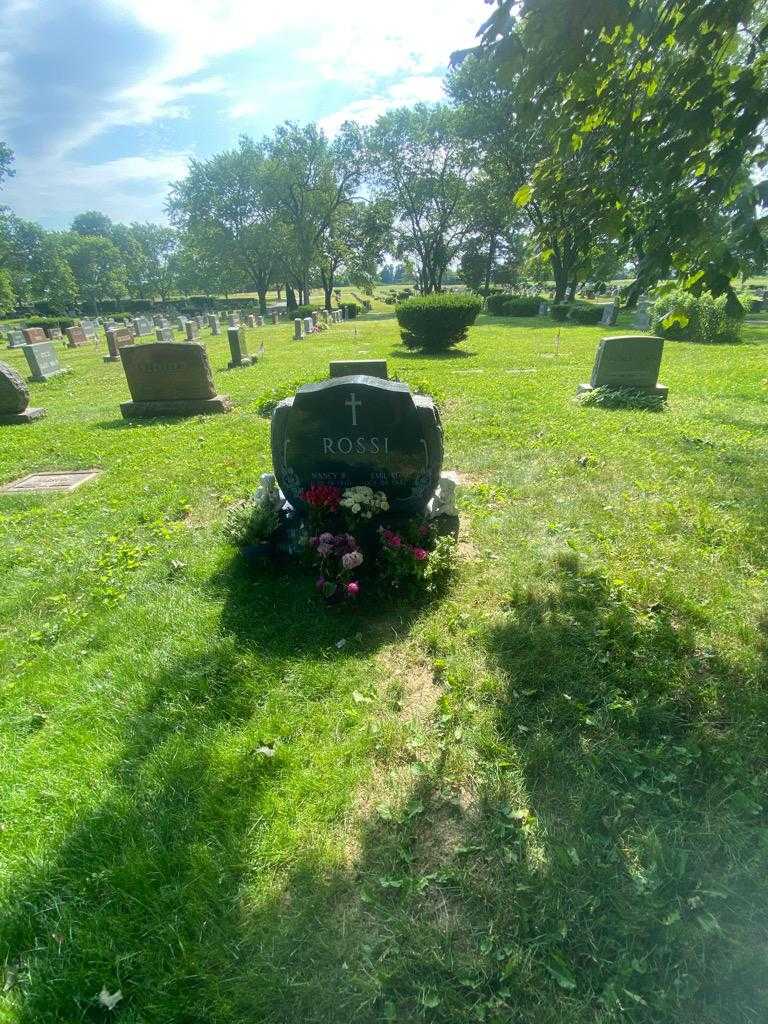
(324, 549)
(325, 538)
(352, 560)
(353, 588)
(423, 530)
(419, 554)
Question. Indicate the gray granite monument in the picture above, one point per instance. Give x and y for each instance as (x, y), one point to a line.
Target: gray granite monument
(14, 398)
(170, 379)
(628, 361)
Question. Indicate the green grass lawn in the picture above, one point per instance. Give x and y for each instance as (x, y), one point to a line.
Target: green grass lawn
(542, 799)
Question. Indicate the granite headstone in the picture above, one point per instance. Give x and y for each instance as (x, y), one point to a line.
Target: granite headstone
(628, 361)
(14, 398)
(75, 337)
(170, 379)
(42, 361)
(117, 338)
(359, 430)
(238, 348)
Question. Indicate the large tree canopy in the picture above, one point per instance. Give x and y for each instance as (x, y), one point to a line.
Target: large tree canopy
(666, 101)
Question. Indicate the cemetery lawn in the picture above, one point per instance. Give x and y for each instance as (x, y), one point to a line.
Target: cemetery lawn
(541, 799)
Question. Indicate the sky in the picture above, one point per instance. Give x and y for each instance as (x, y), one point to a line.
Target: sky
(105, 101)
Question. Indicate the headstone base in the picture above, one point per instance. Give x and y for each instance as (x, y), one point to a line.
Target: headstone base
(179, 407)
(27, 416)
(660, 391)
(245, 361)
(110, 359)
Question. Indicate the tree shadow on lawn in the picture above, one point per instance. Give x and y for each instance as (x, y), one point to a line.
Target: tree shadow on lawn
(450, 353)
(148, 892)
(607, 865)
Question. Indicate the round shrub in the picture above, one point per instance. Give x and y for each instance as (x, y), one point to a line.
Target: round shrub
(585, 313)
(436, 322)
(559, 310)
(353, 310)
(505, 304)
(681, 316)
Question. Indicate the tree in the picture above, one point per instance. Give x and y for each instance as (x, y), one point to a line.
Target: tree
(157, 245)
(7, 294)
(6, 162)
(93, 223)
(313, 183)
(97, 266)
(36, 265)
(506, 131)
(418, 164)
(355, 242)
(666, 100)
(226, 204)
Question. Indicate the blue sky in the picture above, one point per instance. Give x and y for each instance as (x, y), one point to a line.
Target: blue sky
(105, 101)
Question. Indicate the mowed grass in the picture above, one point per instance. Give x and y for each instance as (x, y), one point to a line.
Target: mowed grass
(541, 799)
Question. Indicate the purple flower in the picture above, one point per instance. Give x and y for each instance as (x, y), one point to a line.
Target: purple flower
(324, 549)
(325, 538)
(353, 588)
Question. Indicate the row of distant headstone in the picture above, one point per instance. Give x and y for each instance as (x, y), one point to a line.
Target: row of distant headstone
(642, 321)
(310, 324)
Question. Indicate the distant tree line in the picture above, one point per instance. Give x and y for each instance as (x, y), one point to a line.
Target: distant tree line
(578, 142)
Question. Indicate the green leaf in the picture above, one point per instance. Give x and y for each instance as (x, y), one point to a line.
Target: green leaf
(523, 195)
(675, 318)
(576, 142)
(561, 972)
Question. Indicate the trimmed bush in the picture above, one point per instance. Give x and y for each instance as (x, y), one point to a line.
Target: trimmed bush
(436, 322)
(506, 304)
(701, 319)
(353, 310)
(751, 304)
(585, 313)
(48, 321)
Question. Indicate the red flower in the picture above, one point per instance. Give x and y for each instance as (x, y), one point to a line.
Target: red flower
(419, 554)
(353, 588)
(322, 496)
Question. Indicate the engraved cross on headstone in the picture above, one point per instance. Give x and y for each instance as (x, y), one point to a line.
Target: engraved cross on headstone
(353, 403)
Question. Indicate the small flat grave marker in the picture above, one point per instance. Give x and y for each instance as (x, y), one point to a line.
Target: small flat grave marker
(49, 482)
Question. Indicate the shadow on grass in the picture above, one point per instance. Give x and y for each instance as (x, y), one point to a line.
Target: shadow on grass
(607, 864)
(451, 353)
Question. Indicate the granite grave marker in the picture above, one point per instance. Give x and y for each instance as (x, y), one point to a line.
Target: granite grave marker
(170, 379)
(75, 337)
(42, 361)
(14, 398)
(628, 361)
(238, 348)
(359, 430)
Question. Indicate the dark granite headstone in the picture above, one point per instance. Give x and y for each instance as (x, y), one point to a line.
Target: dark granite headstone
(33, 335)
(361, 431)
(54, 333)
(117, 338)
(170, 379)
(369, 367)
(14, 398)
(75, 337)
(42, 360)
(628, 361)
(238, 348)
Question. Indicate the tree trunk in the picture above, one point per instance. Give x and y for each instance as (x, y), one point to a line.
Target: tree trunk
(490, 264)
(262, 293)
(279, 292)
(290, 297)
(572, 285)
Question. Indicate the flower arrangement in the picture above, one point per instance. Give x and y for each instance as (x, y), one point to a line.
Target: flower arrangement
(323, 501)
(364, 502)
(337, 556)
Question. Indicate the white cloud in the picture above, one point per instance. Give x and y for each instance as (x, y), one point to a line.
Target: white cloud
(416, 89)
(138, 184)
